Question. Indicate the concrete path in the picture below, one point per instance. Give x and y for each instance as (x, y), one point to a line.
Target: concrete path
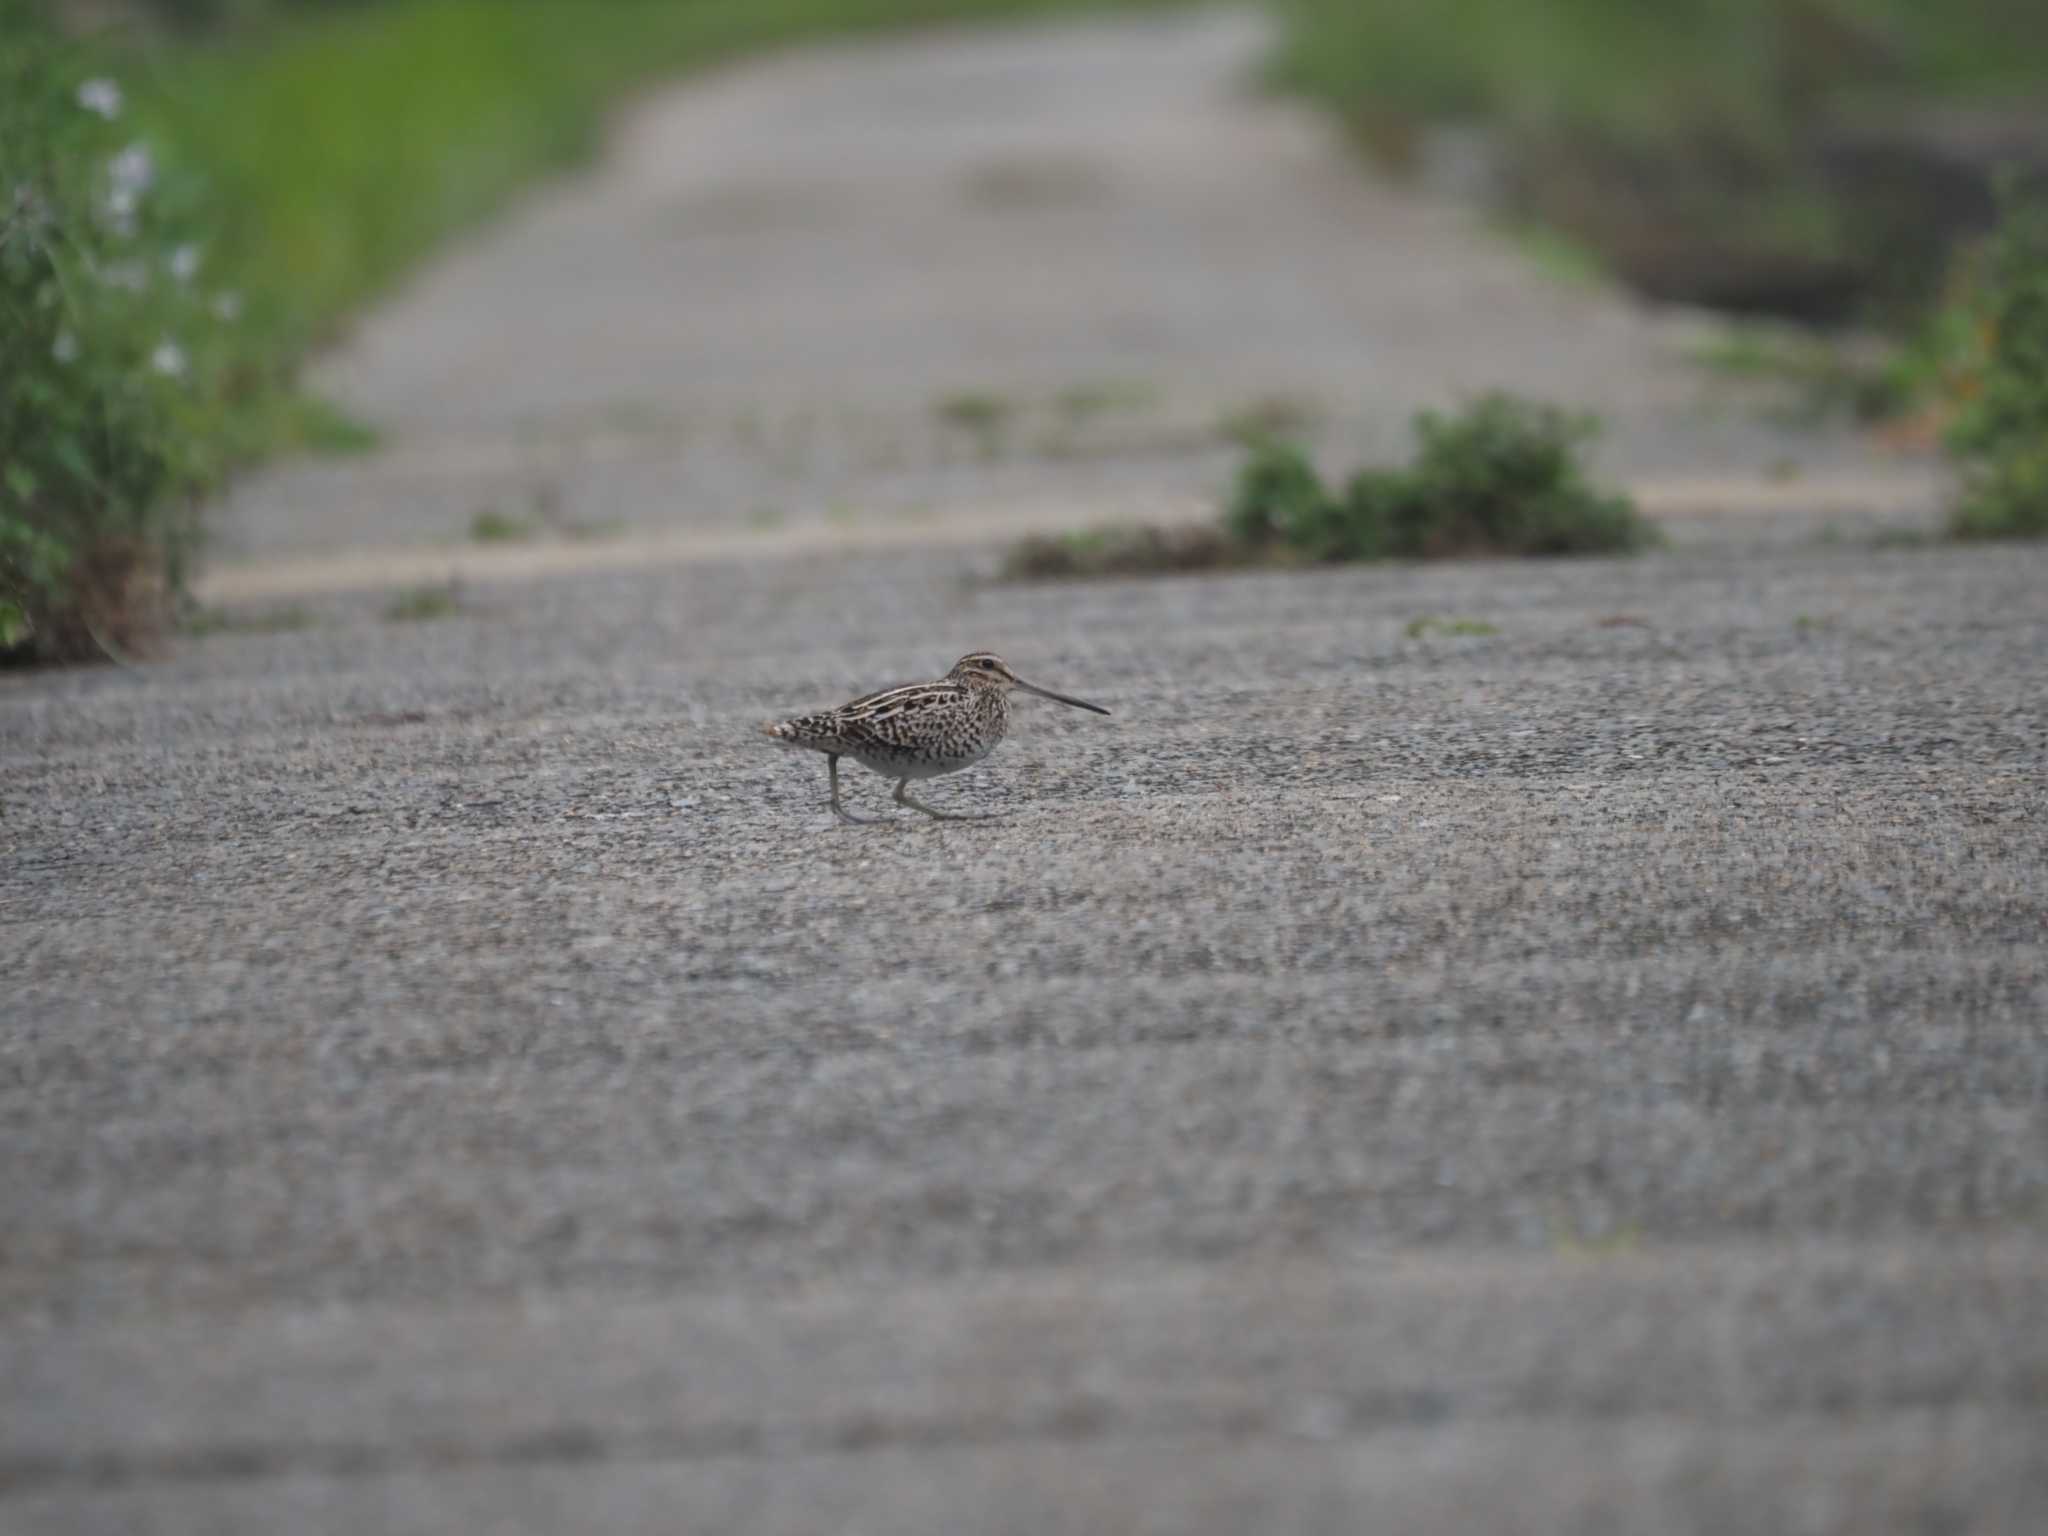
(1577, 1068)
(966, 285)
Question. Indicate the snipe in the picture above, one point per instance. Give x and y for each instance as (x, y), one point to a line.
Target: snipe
(920, 730)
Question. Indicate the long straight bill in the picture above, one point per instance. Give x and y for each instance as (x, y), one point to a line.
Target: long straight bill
(1059, 698)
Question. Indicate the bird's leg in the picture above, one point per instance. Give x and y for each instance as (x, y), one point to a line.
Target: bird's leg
(903, 797)
(832, 767)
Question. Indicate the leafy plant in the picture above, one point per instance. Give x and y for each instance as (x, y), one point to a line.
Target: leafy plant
(1081, 403)
(114, 357)
(2001, 437)
(1279, 497)
(490, 526)
(421, 605)
(1502, 477)
(1429, 624)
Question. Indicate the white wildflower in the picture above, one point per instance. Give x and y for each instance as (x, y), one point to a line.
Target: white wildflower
(227, 306)
(65, 347)
(168, 359)
(130, 174)
(184, 263)
(101, 96)
(133, 170)
(120, 212)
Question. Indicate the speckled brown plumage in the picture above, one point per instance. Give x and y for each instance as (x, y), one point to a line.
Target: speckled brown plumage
(920, 730)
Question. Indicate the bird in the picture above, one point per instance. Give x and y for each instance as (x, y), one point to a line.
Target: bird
(918, 731)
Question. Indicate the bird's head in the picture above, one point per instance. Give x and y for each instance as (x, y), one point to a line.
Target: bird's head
(985, 669)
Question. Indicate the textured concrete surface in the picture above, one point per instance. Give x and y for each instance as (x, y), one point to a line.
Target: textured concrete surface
(1585, 1077)
(1588, 1075)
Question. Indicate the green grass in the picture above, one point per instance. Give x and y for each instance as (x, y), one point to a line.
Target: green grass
(1079, 404)
(1457, 629)
(421, 605)
(1569, 262)
(1643, 73)
(491, 526)
(974, 410)
(1266, 417)
(1819, 375)
(322, 427)
(984, 417)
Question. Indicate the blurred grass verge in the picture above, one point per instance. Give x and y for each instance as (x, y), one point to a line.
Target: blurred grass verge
(1808, 159)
